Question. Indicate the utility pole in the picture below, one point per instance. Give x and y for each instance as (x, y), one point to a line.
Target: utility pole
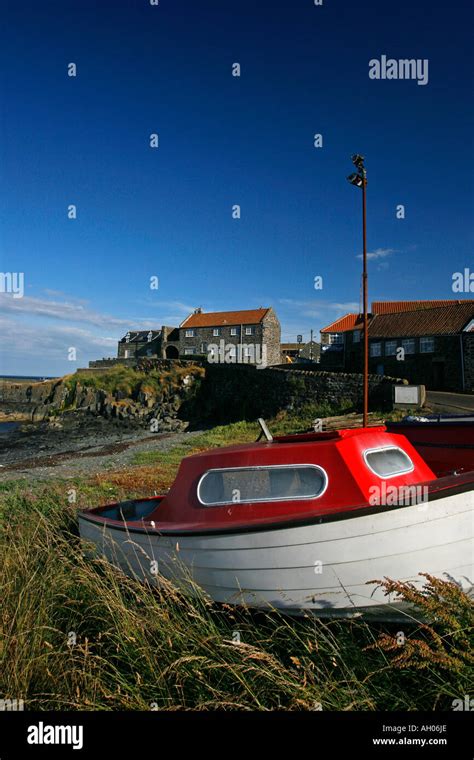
(360, 180)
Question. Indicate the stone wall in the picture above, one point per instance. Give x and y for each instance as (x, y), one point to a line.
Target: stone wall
(271, 337)
(233, 392)
(150, 362)
(225, 393)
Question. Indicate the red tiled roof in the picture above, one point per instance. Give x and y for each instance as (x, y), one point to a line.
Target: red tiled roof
(395, 307)
(348, 322)
(382, 308)
(223, 318)
(442, 320)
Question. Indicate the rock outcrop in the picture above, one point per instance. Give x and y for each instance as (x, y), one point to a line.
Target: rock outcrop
(157, 409)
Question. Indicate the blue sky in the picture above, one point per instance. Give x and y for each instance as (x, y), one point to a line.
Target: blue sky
(223, 140)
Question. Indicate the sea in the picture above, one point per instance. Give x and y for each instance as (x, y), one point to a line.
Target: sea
(25, 378)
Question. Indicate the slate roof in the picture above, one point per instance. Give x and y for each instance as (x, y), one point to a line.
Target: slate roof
(140, 336)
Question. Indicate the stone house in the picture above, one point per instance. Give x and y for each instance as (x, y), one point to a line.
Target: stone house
(251, 336)
(154, 344)
(428, 342)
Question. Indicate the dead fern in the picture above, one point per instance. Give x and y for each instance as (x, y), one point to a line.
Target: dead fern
(446, 641)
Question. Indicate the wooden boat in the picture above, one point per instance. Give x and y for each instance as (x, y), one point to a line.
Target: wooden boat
(446, 442)
(298, 523)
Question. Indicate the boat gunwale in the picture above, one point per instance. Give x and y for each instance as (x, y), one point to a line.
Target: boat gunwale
(436, 490)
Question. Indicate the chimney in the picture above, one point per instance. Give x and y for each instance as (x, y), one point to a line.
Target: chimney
(198, 310)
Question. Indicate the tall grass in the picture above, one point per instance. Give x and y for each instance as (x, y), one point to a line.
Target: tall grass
(77, 634)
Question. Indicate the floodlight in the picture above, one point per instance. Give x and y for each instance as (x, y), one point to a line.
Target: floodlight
(356, 180)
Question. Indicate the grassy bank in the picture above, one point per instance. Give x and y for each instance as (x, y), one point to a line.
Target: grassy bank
(130, 382)
(76, 634)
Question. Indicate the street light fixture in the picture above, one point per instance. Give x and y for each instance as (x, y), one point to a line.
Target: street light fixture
(355, 179)
(360, 180)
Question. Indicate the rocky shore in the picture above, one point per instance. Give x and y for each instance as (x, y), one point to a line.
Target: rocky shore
(148, 405)
(71, 425)
(78, 444)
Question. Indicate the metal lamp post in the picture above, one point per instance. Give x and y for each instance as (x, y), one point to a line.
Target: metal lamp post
(359, 179)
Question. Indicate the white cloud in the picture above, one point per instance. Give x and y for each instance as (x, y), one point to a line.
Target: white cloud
(379, 253)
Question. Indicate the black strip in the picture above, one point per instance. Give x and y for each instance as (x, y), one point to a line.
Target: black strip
(314, 520)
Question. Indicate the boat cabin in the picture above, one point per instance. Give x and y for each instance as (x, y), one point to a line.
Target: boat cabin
(298, 477)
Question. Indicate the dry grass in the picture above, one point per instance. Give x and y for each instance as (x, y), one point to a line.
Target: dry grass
(77, 634)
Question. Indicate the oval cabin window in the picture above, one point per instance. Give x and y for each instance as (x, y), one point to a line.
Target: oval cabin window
(236, 485)
(388, 462)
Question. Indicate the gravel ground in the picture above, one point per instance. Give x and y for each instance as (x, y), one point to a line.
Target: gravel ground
(80, 445)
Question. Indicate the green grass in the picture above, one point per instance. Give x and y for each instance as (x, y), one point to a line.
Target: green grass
(130, 381)
(76, 634)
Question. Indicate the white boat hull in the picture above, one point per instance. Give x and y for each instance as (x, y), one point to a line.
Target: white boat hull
(325, 568)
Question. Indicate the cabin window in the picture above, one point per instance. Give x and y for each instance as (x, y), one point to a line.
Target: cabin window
(237, 485)
(388, 461)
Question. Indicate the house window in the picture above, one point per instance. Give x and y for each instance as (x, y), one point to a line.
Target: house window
(426, 345)
(390, 347)
(335, 338)
(216, 332)
(234, 330)
(388, 461)
(189, 351)
(408, 345)
(376, 349)
(243, 485)
(149, 336)
(127, 338)
(189, 334)
(356, 336)
(249, 330)
(203, 348)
